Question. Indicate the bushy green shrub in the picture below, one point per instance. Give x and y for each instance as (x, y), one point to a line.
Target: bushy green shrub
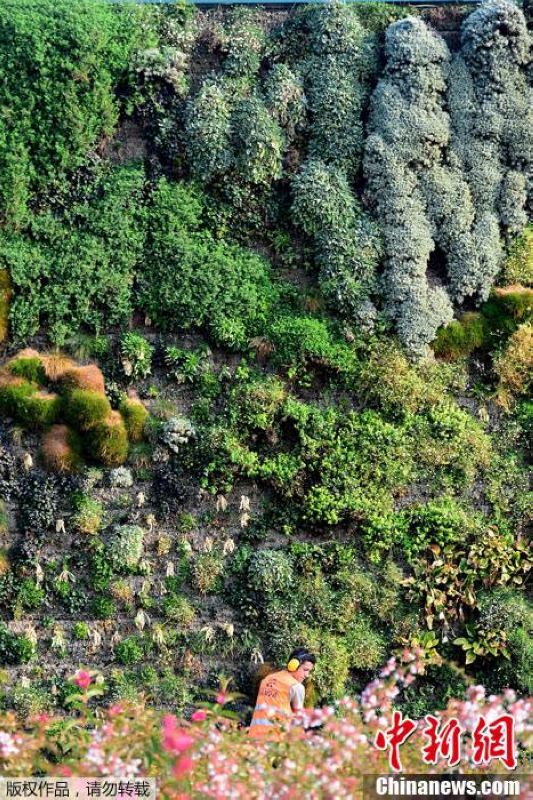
(30, 596)
(244, 41)
(80, 631)
(125, 547)
(366, 647)
(270, 572)
(61, 95)
(14, 649)
(440, 522)
(285, 98)
(208, 131)
(206, 572)
(129, 651)
(189, 280)
(178, 609)
(258, 142)
(518, 267)
(299, 340)
(104, 607)
(77, 269)
(461, 337)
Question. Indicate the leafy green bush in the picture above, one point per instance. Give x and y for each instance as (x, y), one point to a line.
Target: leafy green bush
(129, 651)
(136, 355)
(104, 607)
(76, 269)
(178, 609)
(440, 522)
(30, 596)
(518, 267)
(206, 572)
(60, 95)
(28, 367)
(14, 649)
(461, 337)
(270, 572)
(80, 631)
(189, 280)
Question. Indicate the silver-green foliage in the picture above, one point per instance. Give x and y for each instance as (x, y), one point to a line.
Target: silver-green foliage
(125, 546)
(347, 243)
(491, 111)
(447, 162)
(408, 131)
(336, 70)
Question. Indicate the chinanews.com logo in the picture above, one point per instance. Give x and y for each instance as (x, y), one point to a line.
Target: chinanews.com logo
(489, 742)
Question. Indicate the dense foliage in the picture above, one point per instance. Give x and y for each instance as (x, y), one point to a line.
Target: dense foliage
(287, 263)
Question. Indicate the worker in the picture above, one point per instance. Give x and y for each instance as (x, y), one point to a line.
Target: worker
(280, 695)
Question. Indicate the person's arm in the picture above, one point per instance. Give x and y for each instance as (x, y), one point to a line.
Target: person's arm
(297, 696)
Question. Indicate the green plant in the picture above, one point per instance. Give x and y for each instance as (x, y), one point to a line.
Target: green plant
(81, 631)
(135, 416)
(461, 337)
(30, 368)
(270, 572)
(129, 651)
(108, 440)
(84, 408)
(136, 355)
(518, 267)
(14, 649)
(88, 513)
(104, 607)
(178, 609)
(30, 595)
(125, 547)
(206, 572)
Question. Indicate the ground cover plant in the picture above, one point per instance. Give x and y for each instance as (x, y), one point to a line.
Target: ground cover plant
(265, 377)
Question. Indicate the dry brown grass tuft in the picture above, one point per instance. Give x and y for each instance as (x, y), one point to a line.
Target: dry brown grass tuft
(59, 454)
(89, 377)
(56, 365)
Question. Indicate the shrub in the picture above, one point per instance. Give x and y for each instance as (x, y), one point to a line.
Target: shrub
(84, 408)
(14, 392)
(244, 40)
(440, 522)
(81, 631)
(298, 340)
(135, 416)
(77, 269)
(39, 410)
(88, 378)
(14, 649)
(61, 448)
(88, 513)
(258, 142)
(178, 609)
(6, 292)
(129, 651)
(125, 547)
(30, 596)
(189, 280)
(208, 131)
(107, 441)
(69, 59)
(366, 647)
(347, 243)
(104, 607)
(514, 365)
(136, 355)
(285, 98)
(270, 572)
(206, 572)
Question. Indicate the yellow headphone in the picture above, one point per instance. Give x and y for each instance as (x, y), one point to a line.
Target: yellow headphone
(294, 663)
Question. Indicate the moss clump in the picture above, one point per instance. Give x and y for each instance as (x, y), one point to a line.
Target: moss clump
(514, 366)
(135, 416)
(85, 409)
(39, 410)
(29, 367)
(89, 378)
(5, 298)
(88, 514)
(516, 300)
(107, 441)
(14, 392)
(461, 337)
(61, 449)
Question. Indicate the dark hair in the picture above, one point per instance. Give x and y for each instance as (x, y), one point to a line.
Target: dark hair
(303, 654)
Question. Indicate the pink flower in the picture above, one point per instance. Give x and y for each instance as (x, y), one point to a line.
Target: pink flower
(82, 679)
(114, 710)
(175, 740)
(182, 766)
(221, 698)
(199, 715)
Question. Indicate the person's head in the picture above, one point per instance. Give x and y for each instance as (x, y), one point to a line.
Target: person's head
(301, 663)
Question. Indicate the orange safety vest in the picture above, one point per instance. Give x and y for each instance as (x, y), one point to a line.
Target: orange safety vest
(273, 707)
